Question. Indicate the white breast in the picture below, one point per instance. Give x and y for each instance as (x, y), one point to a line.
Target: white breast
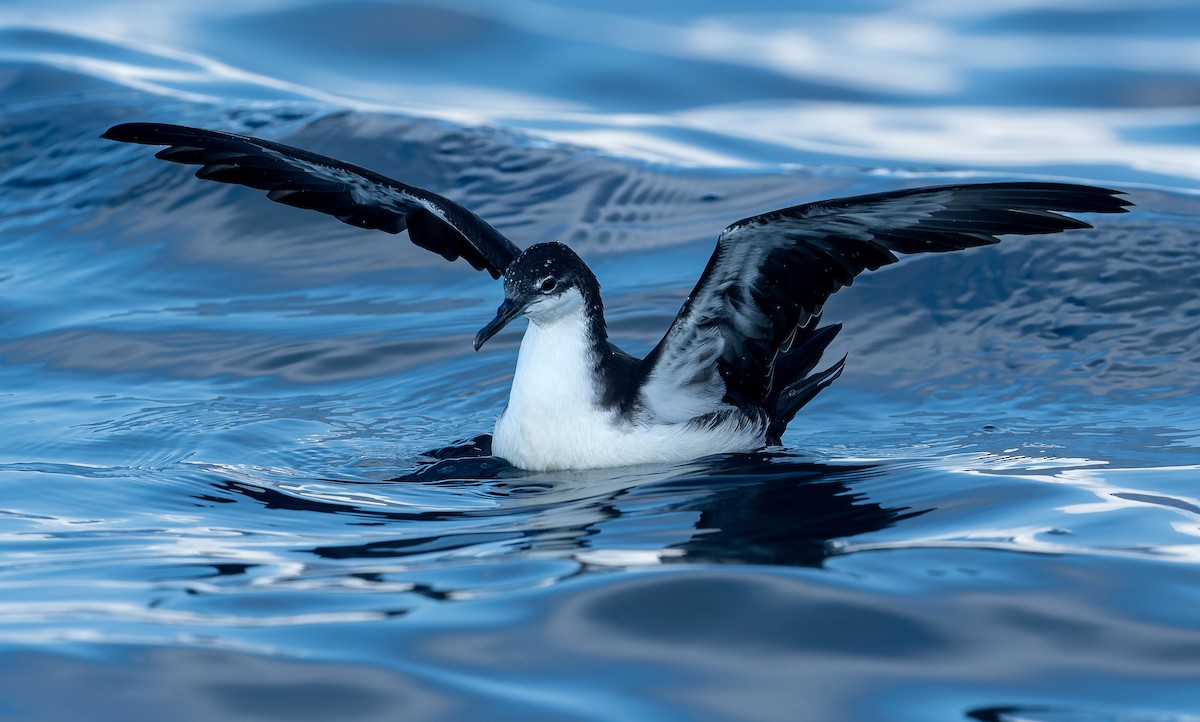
(553, 420)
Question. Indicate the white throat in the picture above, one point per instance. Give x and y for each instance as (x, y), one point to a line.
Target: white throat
(556, 366)
(552, 404)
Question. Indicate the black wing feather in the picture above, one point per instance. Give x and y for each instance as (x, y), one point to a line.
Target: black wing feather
(351, 194)
(772, 273)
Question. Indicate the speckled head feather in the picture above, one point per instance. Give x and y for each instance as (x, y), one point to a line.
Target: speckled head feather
(549, 269)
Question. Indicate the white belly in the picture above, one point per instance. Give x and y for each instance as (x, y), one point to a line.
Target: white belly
(553, 420)
(600, 439)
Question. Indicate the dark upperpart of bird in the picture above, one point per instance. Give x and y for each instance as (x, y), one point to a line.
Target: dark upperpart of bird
(740, 358)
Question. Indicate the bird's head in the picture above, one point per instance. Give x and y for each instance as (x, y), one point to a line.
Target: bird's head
(545, 283)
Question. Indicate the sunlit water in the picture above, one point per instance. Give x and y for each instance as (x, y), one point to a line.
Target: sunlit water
(214, 502)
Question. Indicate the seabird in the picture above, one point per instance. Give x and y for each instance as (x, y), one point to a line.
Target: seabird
(739, 359)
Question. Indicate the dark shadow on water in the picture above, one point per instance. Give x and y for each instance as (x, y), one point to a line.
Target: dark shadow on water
(477, 447)
(773, 509)
(1060, 714)
(764, 508)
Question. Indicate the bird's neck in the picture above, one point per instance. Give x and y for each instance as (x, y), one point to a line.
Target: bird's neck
(557, 366)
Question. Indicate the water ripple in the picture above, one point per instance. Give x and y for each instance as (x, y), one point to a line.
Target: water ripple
(215, 492)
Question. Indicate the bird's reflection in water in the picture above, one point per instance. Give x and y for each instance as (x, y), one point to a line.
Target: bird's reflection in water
(776, 509)
(763, 508)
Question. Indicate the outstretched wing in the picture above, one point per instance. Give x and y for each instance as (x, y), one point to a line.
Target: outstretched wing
(772, 273)
(351, 194)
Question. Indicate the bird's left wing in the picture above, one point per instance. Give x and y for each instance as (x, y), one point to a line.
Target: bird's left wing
(771, 274)
(351, 194)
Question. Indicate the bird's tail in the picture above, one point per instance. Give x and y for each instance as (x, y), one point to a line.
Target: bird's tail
(794, 382)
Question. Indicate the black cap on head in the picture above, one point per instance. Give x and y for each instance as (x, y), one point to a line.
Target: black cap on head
(544, 269)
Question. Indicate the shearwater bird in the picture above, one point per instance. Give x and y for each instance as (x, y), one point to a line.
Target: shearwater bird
(739, 359)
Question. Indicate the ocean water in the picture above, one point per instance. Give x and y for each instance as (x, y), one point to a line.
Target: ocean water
(214, 498)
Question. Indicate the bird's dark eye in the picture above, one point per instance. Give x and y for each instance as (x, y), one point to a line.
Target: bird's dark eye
(548, 285)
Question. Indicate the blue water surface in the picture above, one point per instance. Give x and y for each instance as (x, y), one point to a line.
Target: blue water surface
(214, 499)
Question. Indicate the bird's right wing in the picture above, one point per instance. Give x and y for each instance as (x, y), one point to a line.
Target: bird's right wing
(351, 194)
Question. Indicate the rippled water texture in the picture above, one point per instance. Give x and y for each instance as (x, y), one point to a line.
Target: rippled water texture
(214, 502)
